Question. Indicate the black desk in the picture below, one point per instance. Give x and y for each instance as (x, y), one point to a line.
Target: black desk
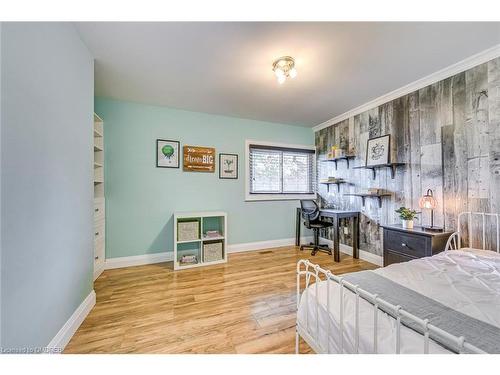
(336, 215)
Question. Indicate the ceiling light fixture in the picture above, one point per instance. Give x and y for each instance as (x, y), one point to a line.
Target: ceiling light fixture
(284, 68)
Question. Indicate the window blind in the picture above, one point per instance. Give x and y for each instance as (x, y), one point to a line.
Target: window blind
(281, 170)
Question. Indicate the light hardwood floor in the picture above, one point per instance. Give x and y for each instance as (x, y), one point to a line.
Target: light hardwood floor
(244, 306)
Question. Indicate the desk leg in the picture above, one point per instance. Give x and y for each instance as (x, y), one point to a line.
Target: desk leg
(297, 228)
(336, 240)
(355, 237)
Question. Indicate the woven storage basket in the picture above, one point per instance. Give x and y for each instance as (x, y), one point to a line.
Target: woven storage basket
(188, 230)
(212, 251)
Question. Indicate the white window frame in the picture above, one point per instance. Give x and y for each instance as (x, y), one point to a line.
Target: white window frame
(274, 197)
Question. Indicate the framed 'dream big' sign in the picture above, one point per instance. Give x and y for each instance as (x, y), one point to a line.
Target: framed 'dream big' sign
(199, 159)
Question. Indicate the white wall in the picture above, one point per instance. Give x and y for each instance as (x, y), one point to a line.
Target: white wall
(46, 180)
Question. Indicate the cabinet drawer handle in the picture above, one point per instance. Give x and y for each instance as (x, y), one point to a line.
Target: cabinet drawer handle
(96, 210)
(96, 257)
(96, 233)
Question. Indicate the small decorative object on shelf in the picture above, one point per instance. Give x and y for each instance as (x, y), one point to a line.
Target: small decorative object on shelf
(336, 153)
(407, 216)
(212, 234)
(188, 259)
(332, 180)
(377, 150)
(331, 153)
(378, 155)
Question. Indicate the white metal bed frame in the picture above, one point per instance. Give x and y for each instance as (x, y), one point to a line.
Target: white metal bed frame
(455, 240)
(311, 271)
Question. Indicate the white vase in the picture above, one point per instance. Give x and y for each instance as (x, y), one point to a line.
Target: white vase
(408, 224)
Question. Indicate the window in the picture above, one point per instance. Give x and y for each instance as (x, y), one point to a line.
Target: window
(276, 171)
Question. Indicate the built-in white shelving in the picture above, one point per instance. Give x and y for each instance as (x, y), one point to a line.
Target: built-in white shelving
(99, 202)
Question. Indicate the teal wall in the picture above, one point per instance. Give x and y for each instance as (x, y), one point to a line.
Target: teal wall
(141, 199)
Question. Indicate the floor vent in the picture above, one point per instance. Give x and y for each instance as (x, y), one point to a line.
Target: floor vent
(266, 252)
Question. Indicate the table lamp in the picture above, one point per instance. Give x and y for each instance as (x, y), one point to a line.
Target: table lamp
(427, 201)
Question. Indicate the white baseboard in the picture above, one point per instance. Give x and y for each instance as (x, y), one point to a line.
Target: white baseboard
(168, 256)
(99, 270)
(139, 260)
(259, 245)
(364, 255)
(61, 339)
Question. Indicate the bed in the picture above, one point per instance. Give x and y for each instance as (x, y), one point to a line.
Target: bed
(336, 315)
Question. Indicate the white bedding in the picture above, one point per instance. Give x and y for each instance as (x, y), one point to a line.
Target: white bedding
(466, 280)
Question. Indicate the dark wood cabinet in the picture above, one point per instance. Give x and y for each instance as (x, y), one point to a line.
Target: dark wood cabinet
(402, 245)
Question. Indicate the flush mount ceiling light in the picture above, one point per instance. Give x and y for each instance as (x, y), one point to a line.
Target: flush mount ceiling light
(284, 68)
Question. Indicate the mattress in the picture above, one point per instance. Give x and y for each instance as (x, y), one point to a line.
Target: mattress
(467, 280)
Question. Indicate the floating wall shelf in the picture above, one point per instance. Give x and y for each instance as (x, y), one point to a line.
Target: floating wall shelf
(363, 197)
(374, 168)
(346, 158)
(338, 183)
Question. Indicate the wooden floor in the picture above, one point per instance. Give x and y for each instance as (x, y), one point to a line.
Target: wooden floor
(244, 306)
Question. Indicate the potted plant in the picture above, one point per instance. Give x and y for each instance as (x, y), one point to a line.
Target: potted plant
(407, 216)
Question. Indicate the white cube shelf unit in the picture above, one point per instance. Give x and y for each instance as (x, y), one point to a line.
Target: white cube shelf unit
(190, 237)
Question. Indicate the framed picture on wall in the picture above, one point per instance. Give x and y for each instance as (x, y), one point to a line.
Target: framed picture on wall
(377, 150)
(167, 153)
(198, 159)
(228, 166)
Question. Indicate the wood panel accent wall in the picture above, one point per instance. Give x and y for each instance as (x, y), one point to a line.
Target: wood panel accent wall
(447, 134)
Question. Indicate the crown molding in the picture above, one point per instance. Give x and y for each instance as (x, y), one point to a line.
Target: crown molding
(469, 62)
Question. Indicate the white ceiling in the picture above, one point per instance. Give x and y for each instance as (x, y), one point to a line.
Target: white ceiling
(225, 68)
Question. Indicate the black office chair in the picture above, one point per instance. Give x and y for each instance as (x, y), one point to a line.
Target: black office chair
(310, 213)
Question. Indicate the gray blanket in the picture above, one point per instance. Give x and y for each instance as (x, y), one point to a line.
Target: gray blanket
(478, 333)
